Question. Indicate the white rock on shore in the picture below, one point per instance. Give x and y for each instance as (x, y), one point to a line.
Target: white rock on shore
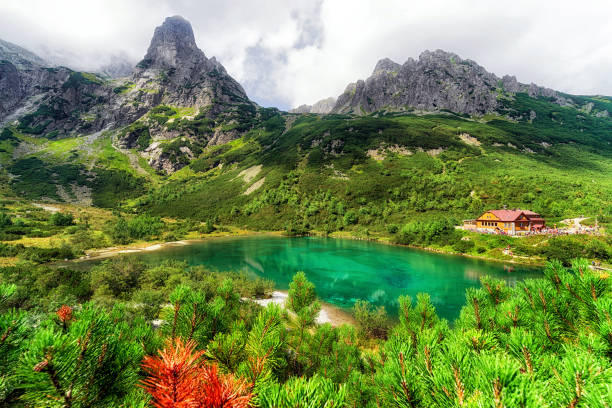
(280, 298)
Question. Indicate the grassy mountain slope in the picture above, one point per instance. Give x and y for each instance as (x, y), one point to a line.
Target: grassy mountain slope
(317, 170)
(338, 172)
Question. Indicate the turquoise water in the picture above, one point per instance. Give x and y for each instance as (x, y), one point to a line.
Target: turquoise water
(344, 271)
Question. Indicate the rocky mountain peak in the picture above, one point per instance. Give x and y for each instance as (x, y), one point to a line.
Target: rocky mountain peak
(438, 80)
(437, 56)
(323, 106)
(172, 44)
(176, 72)
(18, 56)
(386, 65)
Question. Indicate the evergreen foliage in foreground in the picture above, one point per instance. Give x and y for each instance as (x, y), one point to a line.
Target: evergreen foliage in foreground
(542, 343)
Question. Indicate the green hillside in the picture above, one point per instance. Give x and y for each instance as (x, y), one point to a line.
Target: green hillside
(366, 176)
(384, 167)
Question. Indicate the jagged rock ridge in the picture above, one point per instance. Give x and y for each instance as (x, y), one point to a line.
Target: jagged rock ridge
(18, 56)
(437, 80)
(323, 106)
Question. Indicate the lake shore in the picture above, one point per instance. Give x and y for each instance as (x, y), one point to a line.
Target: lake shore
(94, 254)
(329, 313)
(147, 246)
(527, 261)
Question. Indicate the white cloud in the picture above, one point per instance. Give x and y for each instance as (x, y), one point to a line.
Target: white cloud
(289, 53)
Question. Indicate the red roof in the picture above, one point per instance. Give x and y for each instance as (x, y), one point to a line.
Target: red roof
(513, 215)
(506, 215)
(527, 212)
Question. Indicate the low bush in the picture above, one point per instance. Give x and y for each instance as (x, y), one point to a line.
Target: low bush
(62, 219)
(372, 321)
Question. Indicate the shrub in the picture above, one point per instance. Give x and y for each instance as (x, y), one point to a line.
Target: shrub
(372, 321)
(7, 250)
(62, 219)
(145, 226)
(301, 293)
(428, 232)
(5, 220)
(463, 246)
(208, 228)
(392, 228)
(179, 378)
(124, 231)
(563, 249)
(350, 218)
(599, 250)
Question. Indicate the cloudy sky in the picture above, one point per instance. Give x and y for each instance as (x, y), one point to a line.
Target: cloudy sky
(289, 52)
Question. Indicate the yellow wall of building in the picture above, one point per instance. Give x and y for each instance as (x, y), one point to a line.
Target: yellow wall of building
(522, 223)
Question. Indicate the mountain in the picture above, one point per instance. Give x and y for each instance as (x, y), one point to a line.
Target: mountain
(174, 73)
(438, 80)
(195, 101)
(323, 106)
(119, 66)
(188, 77)
(437, 137)
(18, 56)
(21, 75)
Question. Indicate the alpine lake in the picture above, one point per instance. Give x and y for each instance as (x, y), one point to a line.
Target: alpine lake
(344, 270)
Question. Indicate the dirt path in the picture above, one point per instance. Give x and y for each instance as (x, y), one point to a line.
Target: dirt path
(574, 221)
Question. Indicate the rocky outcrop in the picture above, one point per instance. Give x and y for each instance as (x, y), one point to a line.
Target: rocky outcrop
(21, 73)
(323, 106)
(179, 70)
(175, 72)
(10, 88)
(437, 80)
(49, 100)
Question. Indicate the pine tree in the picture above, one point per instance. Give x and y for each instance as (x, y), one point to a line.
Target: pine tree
(82, 359)
(299, 392)
(302, 301)
(14, 331)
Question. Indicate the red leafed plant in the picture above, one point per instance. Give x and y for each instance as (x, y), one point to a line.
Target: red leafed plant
(64, 313)
(178, 379)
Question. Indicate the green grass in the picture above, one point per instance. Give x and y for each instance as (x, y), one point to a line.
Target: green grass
(124, 88)
(108, 157)
(78, 79)
(63, 149)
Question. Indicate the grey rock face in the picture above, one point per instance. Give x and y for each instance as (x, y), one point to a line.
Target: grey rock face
(179, 69)
(10, 88)
(386, 66)
(50, 99)
(20, 75)
(437, 80)
(173, 43)
(323, 106)
(18, 56)
(119, 66)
